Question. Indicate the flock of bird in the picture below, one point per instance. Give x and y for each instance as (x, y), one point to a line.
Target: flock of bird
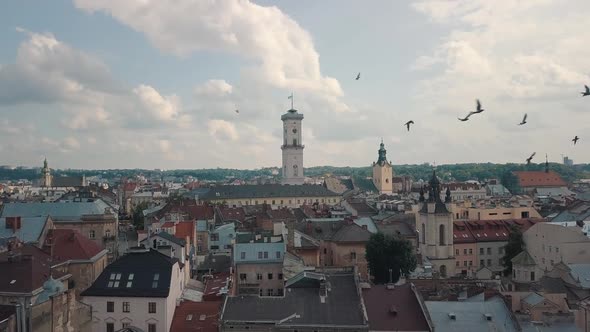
(480, 109)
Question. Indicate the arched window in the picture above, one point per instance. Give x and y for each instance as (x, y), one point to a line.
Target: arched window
(441, 235)
(295, 142)
(423, 234)
(295, 170)
(386, 180)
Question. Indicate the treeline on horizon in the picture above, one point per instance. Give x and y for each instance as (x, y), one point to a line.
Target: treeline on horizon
(450, 172)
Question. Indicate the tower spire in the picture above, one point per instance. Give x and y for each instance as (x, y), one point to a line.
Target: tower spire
(546, 164)
(291, 97)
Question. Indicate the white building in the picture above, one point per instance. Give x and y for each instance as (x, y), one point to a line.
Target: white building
(292, 148)
(140, 289)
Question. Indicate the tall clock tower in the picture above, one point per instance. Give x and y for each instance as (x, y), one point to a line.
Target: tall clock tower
(292, 148)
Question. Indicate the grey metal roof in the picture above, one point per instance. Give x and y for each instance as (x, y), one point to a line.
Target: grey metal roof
(340, 308)
(58, 211)
(470, 316)
(267, 191)
(169, 237)
(533, 299)
(581, 272)
(523, 258)
(31, 229)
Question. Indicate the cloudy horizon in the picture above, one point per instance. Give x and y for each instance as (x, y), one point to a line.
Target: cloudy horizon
(142, 84)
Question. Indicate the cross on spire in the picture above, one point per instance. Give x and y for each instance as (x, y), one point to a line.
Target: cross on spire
(291, 97)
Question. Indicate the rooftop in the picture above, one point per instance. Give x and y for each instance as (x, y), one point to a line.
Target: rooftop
(140, 273)
(267, 191)
(302, 306)
(70, 244)
(539, 179)
(196, 316)
(394, 308)
(30, 229)
(25, 269)
(61, 211)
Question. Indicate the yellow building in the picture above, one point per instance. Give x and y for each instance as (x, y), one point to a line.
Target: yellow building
(383, 172)
(276, 195)
(485, 210)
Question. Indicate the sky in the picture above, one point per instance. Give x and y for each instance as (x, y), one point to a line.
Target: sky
(155, 84)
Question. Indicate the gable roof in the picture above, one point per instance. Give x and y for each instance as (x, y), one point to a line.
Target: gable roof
(196, 316)
(341, 307)
(69, 244)
(169, 237)
(337, 185)
(351, 233)
(30, 231)
(267, 191)
(539, 179)
(60, 211)
(25, 269)
(397, 307)
(139, 267)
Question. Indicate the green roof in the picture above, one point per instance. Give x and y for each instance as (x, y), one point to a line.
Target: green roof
(267, 191)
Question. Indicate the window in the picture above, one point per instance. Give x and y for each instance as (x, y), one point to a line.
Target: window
(290, 202)
(260, 255)
(200, 237)
(155, 280)
(110, 306)
(243, 255)
(471, 251)
(273, 202)
(110, 327)
(325, 250)
(266, 255)
(91, 234)
(481, 262)
(260, 292)
(489, 262)
(500, 250)
(489, 251)
(456, 252)
(441, 235)
(270, 276)
(280, 276)
(269, 292)
(457, 263)
(126, 307)
(514, 274)
(464, 251)
(125, 325)
(243, 277)
(114, 280)
(353, 255)
(151, 327)
(524, 214)
(481, 251)
(470, 263)
(532, 275)
(549, 248)
(152, 307)
(258, 276)
(279, 292)
(295, 170)
(464, 263)
(556, 249)
(278, 255)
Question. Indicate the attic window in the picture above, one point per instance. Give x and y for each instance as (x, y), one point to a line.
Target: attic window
(202, 317)
(155, 281)
(114, 280)
(189, 317)
(131, 275)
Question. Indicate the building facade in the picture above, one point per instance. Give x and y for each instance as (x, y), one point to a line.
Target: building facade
(383, 172)
(292, 148)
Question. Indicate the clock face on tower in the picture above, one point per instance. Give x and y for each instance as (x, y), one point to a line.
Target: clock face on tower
(294, 130)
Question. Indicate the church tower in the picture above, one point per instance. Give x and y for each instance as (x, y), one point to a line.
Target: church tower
(383, 172)
(45, 175)
(435, 227)
(292, 148)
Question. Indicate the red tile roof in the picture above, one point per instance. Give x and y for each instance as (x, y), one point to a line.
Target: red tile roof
(196, 316)
(69, 244)
(281, 214)
(539, 179)
(25, 272)
(184, 229)
(229, 213)
(394, 309)
(461, 233)
(214, 285)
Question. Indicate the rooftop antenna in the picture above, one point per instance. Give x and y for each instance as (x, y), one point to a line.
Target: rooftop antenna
(291, 97)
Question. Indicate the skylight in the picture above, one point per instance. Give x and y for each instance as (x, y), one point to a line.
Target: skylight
(189, 317)
(131, 275)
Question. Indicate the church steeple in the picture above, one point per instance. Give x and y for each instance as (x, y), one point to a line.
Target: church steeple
(434, 195)
(546, 164)
(382, 154)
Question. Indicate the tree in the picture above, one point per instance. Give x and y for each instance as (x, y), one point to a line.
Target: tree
(137, 216)
(514, 247)
(510, 181)
(385, 252)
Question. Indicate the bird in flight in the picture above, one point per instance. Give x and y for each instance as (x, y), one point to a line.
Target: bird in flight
(358, 76)
(523, 120)
(587, 92)
(575, 140)
(528, 160)
(407, 124)
(465, 118)
(478, 108)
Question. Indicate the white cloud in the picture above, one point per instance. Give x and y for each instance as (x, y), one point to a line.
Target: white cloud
(214, 88)
(222, 130)
(158, 107)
